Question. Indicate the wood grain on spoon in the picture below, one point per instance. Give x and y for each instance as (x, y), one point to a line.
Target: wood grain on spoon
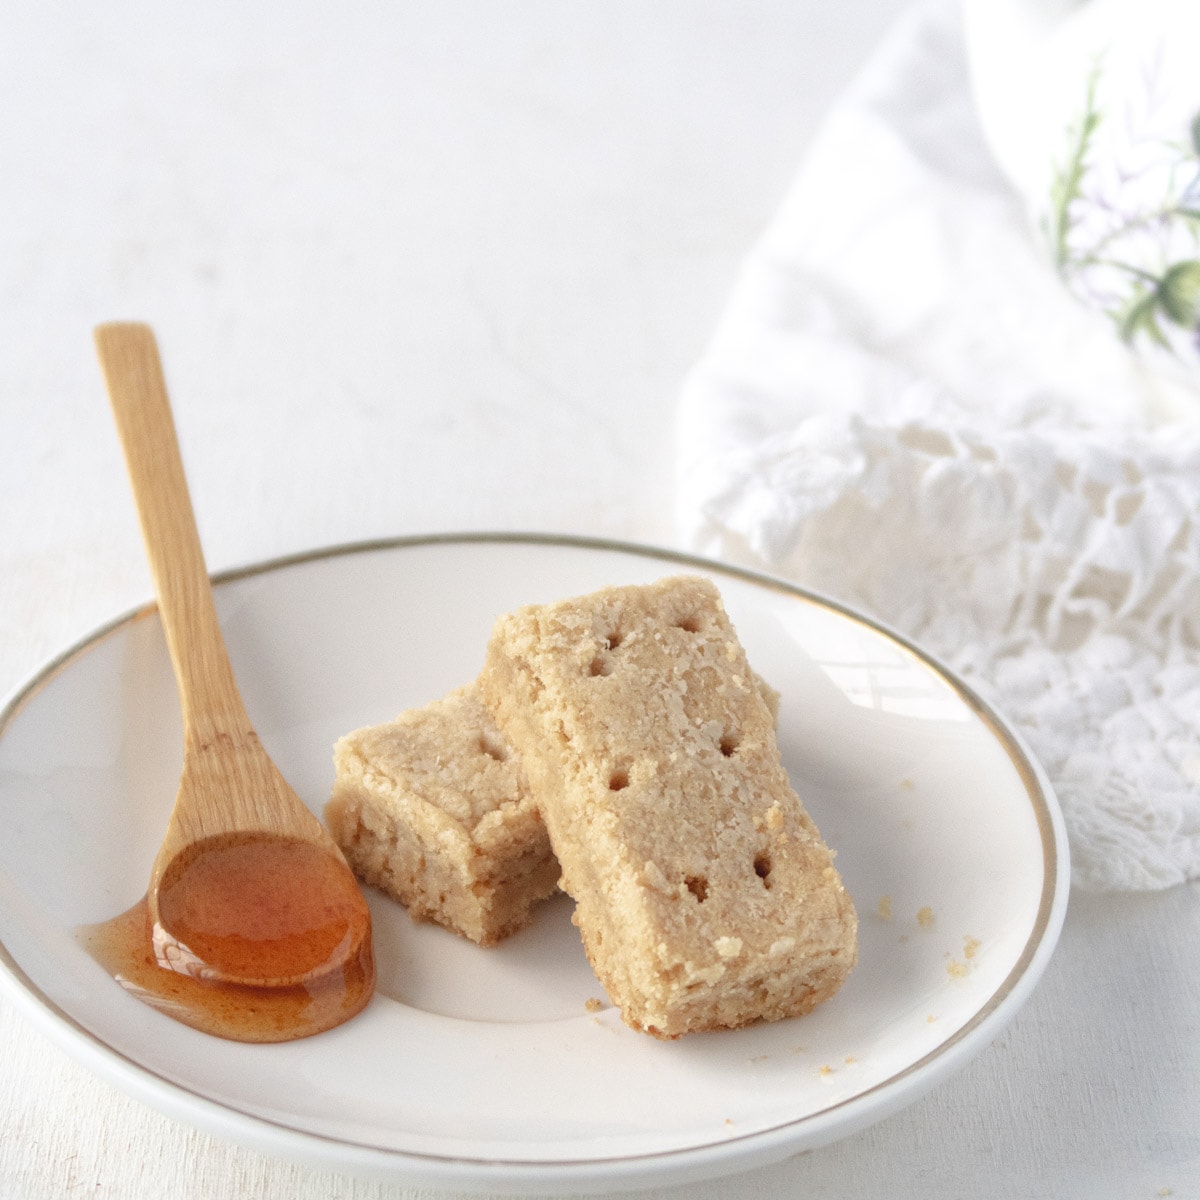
(247, 888)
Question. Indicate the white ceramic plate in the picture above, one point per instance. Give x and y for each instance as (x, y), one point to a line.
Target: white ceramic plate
(488, 1069)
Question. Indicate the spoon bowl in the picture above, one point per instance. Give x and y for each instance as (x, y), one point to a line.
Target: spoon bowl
(248, 888)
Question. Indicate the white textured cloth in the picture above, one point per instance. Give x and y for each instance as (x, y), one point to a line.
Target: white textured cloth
(904, 407)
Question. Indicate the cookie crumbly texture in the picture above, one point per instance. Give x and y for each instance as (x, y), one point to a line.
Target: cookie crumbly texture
(408, 798)
(434, 810)
(704, 894)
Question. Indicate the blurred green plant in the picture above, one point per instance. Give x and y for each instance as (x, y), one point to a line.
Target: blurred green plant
(1152, 297)
(1066, 183)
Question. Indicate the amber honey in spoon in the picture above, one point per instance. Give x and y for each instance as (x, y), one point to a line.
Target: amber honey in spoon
(252, 927)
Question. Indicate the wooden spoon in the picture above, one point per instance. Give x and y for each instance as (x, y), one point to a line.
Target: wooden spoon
(248, 887)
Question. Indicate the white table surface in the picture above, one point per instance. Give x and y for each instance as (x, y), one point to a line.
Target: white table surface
(434, 267)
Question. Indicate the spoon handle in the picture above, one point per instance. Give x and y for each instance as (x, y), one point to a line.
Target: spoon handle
(212, 706)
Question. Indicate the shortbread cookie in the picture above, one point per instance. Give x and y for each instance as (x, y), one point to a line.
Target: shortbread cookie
(704, 893)
(434, 810)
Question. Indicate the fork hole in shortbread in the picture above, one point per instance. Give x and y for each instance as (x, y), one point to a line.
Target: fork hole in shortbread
(762, 867)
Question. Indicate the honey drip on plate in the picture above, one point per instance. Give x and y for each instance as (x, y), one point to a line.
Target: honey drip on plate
(235, 911)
